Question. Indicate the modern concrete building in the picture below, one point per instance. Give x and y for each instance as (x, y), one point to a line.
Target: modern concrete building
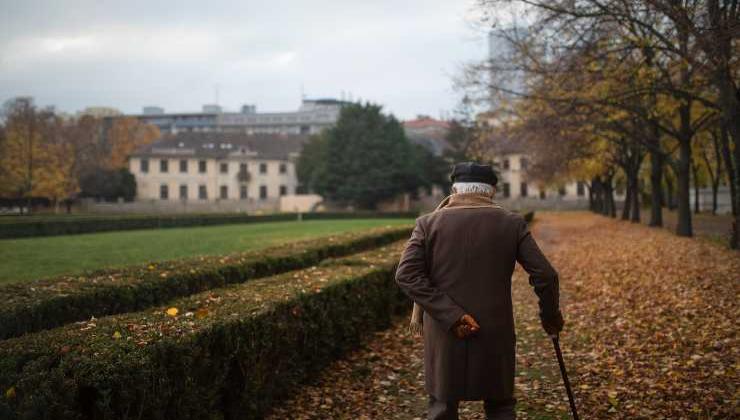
(217, 171)
(313, 116)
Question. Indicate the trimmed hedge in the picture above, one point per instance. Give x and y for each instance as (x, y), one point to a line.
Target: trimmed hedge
(227, 353)
(29, 226)
(43, 304)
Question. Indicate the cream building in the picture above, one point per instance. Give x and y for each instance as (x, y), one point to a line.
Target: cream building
(520, 191)
(217, 171)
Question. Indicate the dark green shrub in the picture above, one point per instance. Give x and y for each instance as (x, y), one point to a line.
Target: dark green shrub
(42, 304)
(29, 226)
(228, 353)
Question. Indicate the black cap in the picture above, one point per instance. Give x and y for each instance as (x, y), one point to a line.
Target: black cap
(473, 172)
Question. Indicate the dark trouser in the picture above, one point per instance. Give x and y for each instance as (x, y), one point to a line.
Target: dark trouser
(495, 410)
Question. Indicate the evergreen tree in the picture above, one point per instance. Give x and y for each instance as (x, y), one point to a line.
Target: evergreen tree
(363, 160)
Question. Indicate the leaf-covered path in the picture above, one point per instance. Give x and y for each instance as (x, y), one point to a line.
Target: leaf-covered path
(651, 332)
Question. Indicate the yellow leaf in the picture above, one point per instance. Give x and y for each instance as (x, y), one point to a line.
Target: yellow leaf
(10, 393)
(117, 335)
(201, 313)
(172, 311)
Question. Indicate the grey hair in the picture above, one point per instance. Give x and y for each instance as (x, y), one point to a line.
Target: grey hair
(473, 187)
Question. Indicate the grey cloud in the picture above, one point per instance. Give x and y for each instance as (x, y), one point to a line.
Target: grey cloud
(128, 54)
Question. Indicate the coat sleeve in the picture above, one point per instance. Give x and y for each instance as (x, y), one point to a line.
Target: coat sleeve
(412, 278)
(542, 276)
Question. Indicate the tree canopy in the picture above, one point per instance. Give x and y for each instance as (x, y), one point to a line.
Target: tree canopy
(366, 158)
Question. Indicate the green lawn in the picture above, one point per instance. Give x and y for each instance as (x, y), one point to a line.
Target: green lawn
(30, 258)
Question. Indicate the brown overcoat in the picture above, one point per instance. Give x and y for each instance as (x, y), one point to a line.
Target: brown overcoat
(459, 260)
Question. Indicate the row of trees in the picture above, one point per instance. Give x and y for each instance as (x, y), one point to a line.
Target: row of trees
(642, 93)
(43, 156)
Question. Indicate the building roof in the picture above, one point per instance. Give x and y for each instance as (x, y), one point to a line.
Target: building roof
(223, 145)
(426, 122)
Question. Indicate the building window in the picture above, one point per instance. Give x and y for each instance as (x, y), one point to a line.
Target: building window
(506, 163)
(243, 167)
(224, 192)
(523, 163)
(164, 166)
(202, 192)
(561, 190)
(184, 166)
(144, 165)
(283, 168)
(263, 192)
(507, 190)
(543, 195)
(263, 168)
(580, 189)
(164, 192)
(283, 190)
(202, 166)
(224, 168)
(243, 192)
(183, 192)
(523, 189)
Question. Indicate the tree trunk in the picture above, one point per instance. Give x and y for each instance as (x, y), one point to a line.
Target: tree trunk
(729, 166)
(627, 201)
(670, 196)
(635, 199)
(695, 176)
(683, 227)
(591, 196)
(610, 207)
(656, 189)
(735, 236)
(597, 188)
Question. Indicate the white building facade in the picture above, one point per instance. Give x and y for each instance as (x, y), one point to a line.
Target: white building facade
(217, 171)
(517, 190)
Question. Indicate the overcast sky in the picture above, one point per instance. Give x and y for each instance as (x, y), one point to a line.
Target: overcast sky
(131, 53)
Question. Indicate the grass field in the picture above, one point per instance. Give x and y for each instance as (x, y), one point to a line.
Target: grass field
(25, 259)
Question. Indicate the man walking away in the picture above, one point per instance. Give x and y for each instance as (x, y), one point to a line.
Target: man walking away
(457, 267)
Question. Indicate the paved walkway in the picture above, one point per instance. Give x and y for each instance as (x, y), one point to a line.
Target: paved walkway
(650, 333)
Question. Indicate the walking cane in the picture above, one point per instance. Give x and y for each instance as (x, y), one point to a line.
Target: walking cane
(556, 343)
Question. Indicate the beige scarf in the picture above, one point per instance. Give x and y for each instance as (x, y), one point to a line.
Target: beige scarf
(463, 200)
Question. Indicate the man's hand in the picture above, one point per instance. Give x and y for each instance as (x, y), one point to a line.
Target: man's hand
(553, 325)
(465, 327)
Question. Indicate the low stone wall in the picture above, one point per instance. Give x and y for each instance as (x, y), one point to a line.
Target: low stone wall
(549, 203)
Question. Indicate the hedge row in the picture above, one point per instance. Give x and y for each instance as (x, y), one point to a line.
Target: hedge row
(42, 304)
(223, 354)
(28, 226)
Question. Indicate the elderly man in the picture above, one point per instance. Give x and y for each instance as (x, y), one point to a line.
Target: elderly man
(457, 267)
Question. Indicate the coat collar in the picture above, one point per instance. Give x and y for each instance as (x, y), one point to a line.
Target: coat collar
(467, 200)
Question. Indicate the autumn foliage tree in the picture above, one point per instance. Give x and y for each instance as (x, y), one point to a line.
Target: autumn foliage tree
(655, 78)
(125, 135)
(43, 156)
